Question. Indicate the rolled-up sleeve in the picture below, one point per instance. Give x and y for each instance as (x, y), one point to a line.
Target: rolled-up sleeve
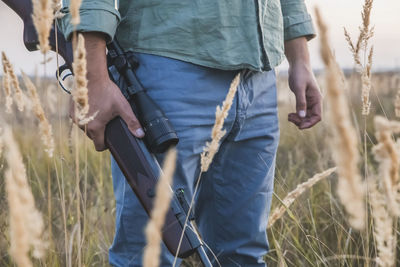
(95, 16)
(297, 22)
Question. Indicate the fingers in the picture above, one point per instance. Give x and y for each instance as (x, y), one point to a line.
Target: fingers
(301, 102)
(314, 109)
(295, 118)
(95, 132)
(314, 113)
(95, 129)
(309, 122)
(126, 113)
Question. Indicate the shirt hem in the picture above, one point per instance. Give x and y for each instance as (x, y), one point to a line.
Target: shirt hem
(197, 61)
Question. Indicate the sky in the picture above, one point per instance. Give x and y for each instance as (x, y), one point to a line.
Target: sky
(347, 13)
(337, 14)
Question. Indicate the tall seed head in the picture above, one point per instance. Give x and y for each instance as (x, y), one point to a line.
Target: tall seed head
(43, 19)
(293, 195)
(153, 231)
(345, 143)
(80, 91)
(384, 231)
(365, 35)
(74, 9)
(387, 154)
(19, 95)
(46, 131)
(6, 83)
(217, 133)
(26, 223)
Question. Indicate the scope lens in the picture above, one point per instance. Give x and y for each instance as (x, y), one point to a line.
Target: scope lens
(160, 135)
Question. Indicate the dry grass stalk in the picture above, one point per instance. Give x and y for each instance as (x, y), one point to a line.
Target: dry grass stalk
(395, 85)
(43, 17)
(19, 95)
(366, 32)
(217, 133)
(293, 195)
(57, 11)
(51, 99)
(6, 84)
(383, 131)
(74, 9)
(56, 5)
(366, 85)
(1, 141)
(80, 91)
(365, 35)
(350, 187)
(386, 152)
(26, 223)
(46, 131)
(212, 147)
(151, 256)
(353, 49)
(383, 228)
(397, 104)
(46, 60)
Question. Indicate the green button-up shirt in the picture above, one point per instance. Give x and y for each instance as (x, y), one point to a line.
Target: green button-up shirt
(223, 34)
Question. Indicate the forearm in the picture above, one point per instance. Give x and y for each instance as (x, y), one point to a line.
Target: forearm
(95, 44)
(296, 51)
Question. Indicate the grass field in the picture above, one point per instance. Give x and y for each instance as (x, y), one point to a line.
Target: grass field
(73, 189)
(314, 232)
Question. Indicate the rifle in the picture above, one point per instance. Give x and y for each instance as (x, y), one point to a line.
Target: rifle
(133, 156)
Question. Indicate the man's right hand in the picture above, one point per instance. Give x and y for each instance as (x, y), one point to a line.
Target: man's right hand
(103, 95)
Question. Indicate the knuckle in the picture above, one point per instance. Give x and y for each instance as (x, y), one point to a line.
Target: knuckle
(91, 133)
(121, 103)
(91, 130)
(134, 122)
(98, 143)
(301, 104)
(93, 126)
(301, 99)
(99, 148)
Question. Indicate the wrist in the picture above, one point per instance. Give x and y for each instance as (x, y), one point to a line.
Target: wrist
(95, 45)
(300, 64)
(296, 52)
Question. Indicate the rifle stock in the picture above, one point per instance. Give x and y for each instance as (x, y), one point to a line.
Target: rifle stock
(138, 165)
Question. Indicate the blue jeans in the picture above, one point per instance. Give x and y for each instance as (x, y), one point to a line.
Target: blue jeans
(234, 197)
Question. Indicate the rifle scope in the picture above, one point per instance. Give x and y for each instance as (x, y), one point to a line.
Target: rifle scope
(160, 134)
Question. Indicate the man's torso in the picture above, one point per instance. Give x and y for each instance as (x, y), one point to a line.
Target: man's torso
(223, 34)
